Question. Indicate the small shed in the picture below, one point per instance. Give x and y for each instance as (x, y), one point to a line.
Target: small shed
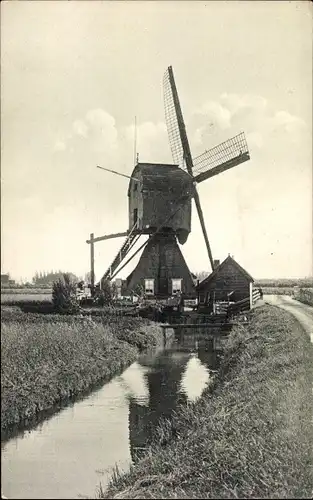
(228, 281)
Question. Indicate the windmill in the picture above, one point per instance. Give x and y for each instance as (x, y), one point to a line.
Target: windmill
(160, 197)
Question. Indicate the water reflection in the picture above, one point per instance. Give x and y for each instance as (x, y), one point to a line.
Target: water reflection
(163, 383)
(174, 377)
(69, 454)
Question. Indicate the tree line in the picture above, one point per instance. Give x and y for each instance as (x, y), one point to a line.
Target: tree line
(48, 278)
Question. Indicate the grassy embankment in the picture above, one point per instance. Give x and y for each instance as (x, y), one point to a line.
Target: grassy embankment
(305, 295)
(45, 359)
(252, 436)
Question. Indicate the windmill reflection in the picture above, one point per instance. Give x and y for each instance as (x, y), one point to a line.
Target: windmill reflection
(171, 378)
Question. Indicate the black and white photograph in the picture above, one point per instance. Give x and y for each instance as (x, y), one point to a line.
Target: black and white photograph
(156, 249)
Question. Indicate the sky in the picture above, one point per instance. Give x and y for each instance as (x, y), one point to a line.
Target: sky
(75, 74)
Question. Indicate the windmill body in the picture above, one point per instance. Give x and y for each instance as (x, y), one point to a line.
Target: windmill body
(159, 201)
(160, 190)
(160, 197)
(162, 271)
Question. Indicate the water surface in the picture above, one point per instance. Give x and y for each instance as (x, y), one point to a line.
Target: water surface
(69, 454)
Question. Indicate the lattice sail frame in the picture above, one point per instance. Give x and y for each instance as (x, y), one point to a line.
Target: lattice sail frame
(172, 123)
(226, 151)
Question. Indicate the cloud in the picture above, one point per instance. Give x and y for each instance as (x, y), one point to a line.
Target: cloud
(92, 139)
(235, 102)
(102, 125)
(260, 197)
(292, 125)
(80, 128)
(98, 126)
(152, 141)
(59, 146)
(255, 139)
(97, 138)
(216, 114)
(271, 133)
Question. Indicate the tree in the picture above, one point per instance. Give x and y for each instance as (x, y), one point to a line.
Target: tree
(105, 296)
(88, 277)
(64, 294)
(44, 278)
(139, 290)
(201, 275)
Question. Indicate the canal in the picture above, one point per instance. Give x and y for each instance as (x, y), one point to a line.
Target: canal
(76, 449)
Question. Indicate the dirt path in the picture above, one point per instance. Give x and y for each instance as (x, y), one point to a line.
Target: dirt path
(302, 312)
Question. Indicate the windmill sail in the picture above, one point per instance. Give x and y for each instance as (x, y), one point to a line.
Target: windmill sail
(172, 120)
(179, 142)
(226, 155)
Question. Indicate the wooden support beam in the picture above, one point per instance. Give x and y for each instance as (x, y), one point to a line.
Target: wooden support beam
(92, 263)
(107, 237)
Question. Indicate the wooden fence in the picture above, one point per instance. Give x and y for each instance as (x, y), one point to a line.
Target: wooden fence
(244, 304)
(255, 295)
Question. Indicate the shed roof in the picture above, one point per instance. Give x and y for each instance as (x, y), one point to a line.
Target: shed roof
(161, 176)
(216, 271)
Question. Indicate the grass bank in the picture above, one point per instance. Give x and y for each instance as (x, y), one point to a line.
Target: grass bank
(252, 436)
(46, 359)
(305, 295)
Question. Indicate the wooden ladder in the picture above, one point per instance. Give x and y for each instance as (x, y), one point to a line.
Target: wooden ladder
(123, 251)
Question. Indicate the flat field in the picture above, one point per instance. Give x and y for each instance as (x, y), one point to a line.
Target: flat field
(12, 298)
(31, 291)
(275, 290)
(285, 282)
